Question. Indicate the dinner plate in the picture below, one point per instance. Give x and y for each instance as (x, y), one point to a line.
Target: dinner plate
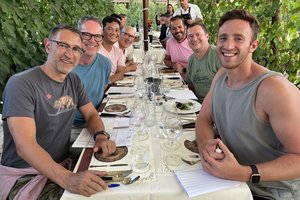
(115, 108)
(170, 83)
(193, 106)
(120, 153)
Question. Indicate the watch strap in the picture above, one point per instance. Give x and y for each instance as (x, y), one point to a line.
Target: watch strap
(255, 176)
(103, 132)
(254, 169)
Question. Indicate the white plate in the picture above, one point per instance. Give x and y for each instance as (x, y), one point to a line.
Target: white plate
(116, 112)
(170, 83)
(171, 106)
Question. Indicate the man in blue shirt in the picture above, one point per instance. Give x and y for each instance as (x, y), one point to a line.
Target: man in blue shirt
(93, 68)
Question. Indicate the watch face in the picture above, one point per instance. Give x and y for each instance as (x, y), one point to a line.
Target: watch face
(255, 178)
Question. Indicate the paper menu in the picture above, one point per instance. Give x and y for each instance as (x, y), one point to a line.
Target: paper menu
(121, 90)
(197, 182)
(121, 136)
(181, 94)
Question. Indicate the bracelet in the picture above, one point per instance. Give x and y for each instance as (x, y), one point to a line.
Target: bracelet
(103, 132)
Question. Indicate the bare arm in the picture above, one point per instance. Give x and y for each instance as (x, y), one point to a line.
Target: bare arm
(119, 75)
(279, 100)
(177, 66)
(23, 131)
(95, 124)
(130, 66)
(167, 61)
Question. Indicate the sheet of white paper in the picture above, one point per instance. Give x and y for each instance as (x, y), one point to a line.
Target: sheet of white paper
(181, 94)
(122, 90)
(121, 136)
(196, 182)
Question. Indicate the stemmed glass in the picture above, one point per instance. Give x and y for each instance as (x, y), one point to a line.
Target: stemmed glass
(139, 85)
(137, 121)
(172, 132)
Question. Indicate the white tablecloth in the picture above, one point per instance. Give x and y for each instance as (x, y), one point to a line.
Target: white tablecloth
(165, 186)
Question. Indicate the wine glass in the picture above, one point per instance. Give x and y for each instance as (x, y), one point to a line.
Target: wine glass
(137, 121)
(139, 85)
(172, 132)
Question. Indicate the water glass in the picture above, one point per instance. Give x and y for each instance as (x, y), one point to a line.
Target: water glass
(137, 121)
(172, 131)
(139, 84)
(140, 158)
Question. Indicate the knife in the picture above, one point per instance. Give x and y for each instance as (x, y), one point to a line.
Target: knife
(116, 175)
(114, 115)
(118, 93)
(189, 125)
(113, 165)
(113, 178)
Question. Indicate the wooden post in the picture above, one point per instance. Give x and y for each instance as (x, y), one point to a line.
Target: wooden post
(145, 24)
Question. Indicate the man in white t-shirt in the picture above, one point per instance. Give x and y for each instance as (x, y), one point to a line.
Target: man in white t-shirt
(189, 12)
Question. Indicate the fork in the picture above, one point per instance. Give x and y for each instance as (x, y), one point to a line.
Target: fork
(190, 162)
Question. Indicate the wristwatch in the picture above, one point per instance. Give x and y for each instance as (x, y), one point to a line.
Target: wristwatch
(255, 176)
(103, 132)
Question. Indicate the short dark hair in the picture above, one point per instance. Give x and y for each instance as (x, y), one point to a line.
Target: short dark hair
(243, 15)
(110, 19)
(86, 18)
(197, 24)
(177, 17)
(122, 15)
(116, 16)
(56, 29)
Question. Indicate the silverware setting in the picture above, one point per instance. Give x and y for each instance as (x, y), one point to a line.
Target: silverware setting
(120, 176)
(129, 180)
(113, 165)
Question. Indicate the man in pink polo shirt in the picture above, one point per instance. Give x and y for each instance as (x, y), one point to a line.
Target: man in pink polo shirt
(111, 34)
(177, 49)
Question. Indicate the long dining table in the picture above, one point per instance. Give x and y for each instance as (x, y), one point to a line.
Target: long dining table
(160, 181)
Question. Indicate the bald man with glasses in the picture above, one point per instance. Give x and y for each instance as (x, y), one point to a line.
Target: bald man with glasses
(125, 41)
(93, 68)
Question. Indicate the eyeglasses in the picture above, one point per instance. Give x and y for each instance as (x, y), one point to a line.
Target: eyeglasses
(127, 35)
(88, 36)
(77, 51)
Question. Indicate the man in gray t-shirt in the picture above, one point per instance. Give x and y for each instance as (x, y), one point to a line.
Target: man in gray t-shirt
(38, 112)
(203, 63)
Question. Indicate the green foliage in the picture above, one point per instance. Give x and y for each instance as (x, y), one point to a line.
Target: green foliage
(134, 11)
(25, 23)
(281, 35)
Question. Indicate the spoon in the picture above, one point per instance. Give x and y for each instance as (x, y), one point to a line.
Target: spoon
(129, 180)
(190, 162)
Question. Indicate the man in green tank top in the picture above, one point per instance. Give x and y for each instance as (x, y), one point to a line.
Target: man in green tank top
(253, 112)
